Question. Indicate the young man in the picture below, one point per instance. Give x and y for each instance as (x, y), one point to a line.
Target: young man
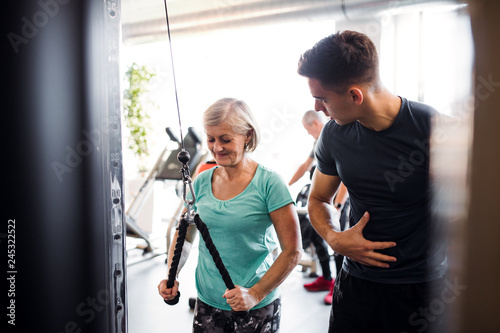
(377, 144)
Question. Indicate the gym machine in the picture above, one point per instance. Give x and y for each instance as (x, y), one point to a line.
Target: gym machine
(167, 167)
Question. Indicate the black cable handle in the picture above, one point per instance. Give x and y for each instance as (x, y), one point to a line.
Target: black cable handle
(202, 227)
(172, 273)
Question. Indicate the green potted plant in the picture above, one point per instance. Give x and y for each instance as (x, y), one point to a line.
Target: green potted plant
(136, 117)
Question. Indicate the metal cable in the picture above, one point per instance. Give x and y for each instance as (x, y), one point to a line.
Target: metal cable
(173, 73)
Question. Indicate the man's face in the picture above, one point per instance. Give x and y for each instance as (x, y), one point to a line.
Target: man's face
(334, 105)
(313, 130)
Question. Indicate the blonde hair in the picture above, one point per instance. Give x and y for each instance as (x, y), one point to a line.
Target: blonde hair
(237, 115)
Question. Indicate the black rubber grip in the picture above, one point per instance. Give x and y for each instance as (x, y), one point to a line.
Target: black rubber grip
(175, 300)
(183, 225)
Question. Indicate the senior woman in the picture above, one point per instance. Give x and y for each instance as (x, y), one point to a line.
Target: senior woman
(245, 206)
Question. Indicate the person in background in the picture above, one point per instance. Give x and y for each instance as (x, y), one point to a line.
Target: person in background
(313, 123)
(249, 212)
(378, 146)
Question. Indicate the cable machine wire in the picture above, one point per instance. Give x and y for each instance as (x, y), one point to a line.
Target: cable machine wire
(189, 217)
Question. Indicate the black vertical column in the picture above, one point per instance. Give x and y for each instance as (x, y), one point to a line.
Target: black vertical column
(62, 255)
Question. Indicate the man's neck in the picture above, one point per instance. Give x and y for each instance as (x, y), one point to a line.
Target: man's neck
(381, 109)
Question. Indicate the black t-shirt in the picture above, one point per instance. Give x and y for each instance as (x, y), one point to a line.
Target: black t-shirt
(387, 174)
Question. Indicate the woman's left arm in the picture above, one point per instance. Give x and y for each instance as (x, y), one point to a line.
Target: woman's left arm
(286, 223)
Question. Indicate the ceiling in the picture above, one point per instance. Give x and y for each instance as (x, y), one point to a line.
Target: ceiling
(145, 20)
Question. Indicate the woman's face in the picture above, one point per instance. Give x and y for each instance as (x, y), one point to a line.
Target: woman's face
(227, 147)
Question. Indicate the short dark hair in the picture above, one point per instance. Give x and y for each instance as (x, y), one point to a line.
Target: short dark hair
(341, 59)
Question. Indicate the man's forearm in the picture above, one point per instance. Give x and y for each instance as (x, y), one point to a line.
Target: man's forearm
(325, 219)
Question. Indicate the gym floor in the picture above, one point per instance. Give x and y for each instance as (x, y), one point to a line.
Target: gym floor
(302, 311)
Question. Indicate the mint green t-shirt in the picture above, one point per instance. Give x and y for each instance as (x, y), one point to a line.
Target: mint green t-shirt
(242, 231)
